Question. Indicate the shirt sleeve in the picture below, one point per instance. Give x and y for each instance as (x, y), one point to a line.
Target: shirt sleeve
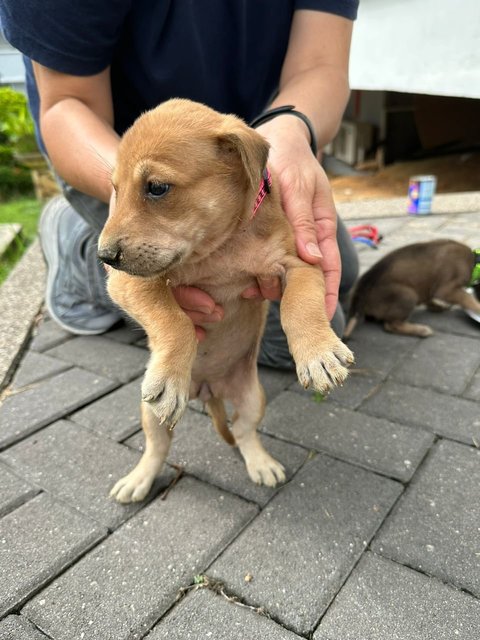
(345, 8)
(78, 38)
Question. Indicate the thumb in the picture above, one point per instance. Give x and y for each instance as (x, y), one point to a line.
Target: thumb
(300, 215)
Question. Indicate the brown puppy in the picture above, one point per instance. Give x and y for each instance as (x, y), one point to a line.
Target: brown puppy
(432, 273)
(186, 181)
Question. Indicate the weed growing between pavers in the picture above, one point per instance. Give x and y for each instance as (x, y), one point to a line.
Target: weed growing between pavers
(202, 581)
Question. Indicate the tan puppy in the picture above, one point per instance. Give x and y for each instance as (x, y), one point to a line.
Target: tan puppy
(186, 181)
(432, 273)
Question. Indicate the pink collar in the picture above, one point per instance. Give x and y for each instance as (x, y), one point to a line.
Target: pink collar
(263, 190)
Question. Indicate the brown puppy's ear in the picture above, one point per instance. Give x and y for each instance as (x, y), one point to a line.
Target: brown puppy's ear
(247, 146)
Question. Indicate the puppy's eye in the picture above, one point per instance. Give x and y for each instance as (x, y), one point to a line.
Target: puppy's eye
(157, 189)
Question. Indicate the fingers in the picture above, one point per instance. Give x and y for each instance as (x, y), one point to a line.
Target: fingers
(194, 299)
(299, 213)
(200, 333)
(314, 219)
(199, 307)
(197, 304)
(269, 288)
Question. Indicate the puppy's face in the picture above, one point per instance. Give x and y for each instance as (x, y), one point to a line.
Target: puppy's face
(186, 177)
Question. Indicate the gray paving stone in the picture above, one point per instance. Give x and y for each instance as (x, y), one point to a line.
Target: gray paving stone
(458, 232)
(453, 321)
(389, 448)
(306, 541)
(18, 628)
(48, 334)
(436, 525)
(79, 468)
(39, 539)
(116, 415)
(120, 589)
(452, 417)
(20, 300)
(442, 362)
(23, 413)
(376, 351)
(473, 390)
(35, 367)
(275, 381)
(13, 490)
(424, 223)
(386, 601)
(127, 333)
(106, 357)
(358, 386)
(206, 615)
(199, 449)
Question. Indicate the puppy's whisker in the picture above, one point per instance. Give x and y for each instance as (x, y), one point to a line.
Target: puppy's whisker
(101, 165)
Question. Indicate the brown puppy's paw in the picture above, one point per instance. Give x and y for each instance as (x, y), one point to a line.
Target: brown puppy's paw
(133, 487)
(263, 469)
(323, 369)
(409, 329)
(423, 330)
(167, 396)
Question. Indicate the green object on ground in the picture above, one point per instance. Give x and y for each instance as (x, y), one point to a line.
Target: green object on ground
(26, 212)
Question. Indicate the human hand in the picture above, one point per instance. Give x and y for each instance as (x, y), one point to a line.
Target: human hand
(307, 201)
(198, 306)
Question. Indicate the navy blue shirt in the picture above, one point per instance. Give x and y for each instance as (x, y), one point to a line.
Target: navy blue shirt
(225, 53)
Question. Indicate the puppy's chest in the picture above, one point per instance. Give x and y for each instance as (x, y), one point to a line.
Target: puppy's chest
(232, 270)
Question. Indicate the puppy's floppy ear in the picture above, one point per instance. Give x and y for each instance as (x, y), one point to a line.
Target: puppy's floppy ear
(241, 143)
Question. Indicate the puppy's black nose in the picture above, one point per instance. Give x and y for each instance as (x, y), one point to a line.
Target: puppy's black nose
(110, 255)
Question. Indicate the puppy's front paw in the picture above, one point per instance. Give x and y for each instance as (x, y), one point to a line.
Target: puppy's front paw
(167, 396)
(263, 469)
(324, 367)
(133, 487)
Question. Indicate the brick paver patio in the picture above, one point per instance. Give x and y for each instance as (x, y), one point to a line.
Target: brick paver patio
(375, 535)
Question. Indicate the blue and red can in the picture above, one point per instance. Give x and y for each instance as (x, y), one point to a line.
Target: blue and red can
(421, 190)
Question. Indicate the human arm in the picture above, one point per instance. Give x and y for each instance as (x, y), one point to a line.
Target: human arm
(76, 122)
(315, 80)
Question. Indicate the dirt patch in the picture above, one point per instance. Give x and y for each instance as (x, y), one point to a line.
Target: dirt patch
(454, 173)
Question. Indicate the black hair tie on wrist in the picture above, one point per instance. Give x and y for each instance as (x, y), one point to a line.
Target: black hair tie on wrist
(288, 109)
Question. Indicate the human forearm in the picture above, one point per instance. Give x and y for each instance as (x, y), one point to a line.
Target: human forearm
(315, 80)
(76, 122)
(321, 94)
(81, 146)
(315, 74)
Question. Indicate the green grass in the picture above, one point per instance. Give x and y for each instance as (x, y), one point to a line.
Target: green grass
(25, 211)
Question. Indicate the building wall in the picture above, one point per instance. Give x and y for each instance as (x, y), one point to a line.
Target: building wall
(417, 46)
(12, 71)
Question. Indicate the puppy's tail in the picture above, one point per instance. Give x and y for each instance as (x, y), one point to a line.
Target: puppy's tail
(351, 324)
(354, 315)
(216, 410)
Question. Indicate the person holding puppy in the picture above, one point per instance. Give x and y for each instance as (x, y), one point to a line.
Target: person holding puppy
(93, 68)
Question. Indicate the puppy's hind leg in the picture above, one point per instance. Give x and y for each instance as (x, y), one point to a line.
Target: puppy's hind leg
(249, 402)
(136, 485)
(461, 297)
(397, 303)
